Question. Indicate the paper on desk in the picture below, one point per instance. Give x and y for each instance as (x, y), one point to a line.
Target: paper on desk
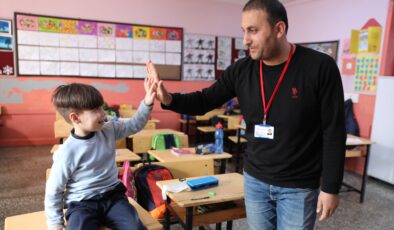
(175, 187)
(353, 140)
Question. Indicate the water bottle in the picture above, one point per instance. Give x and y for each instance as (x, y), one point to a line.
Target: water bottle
(219, 138)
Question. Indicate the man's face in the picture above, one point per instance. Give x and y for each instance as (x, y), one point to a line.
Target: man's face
(259, 36)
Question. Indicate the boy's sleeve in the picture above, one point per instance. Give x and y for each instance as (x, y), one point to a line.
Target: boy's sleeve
(54, 190)
(125, 128)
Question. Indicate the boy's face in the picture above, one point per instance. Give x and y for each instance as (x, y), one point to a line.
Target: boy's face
(89, 121)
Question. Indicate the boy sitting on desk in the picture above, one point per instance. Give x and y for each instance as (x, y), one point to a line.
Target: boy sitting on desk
(84, 172)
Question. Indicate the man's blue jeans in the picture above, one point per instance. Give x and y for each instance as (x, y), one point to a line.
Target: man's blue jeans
(271, 207)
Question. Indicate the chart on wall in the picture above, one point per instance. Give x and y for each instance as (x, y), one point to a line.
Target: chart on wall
(199, 57)
(366, 75)
(56, 46)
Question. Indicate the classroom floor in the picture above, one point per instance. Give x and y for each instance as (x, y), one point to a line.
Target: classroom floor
(22, 184)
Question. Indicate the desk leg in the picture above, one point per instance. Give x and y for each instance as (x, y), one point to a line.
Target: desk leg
(187, 124)
(189, 218)
(223, 166)
(197, 138)
(364, 180)
(229, 225)
(167, 215)
(238, 150)
(218, 226)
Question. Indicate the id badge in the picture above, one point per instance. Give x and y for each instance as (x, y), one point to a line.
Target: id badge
(264, 131)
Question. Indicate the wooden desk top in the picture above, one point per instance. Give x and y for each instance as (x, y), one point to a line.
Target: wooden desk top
(229, 116)
(37, 220)
(167, 156)
(62, 128)
(151, 132)
(356, 141)
(230, 189)
(238, 126)
(209, 114)
(122, 155)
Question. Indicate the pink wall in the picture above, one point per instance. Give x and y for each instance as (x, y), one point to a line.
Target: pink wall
(202, 16)
(29, 120)
(326, 20)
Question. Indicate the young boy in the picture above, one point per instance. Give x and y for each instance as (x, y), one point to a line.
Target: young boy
(83, 176)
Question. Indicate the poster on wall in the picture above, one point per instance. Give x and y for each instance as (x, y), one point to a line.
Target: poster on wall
(6, 48)
(241, 50)
(57, 46)
(365, 48)
(366, 75)
(199, 57)
(224, 53)
(348, 59)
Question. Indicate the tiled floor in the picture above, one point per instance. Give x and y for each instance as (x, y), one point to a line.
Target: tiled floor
(22, 181)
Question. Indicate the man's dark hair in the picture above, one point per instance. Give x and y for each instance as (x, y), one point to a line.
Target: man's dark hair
(76, 97)
(275, 10)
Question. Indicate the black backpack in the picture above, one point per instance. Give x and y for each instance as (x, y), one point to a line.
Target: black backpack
(350, 120)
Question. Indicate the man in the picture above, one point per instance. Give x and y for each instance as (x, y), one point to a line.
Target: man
(292, 101)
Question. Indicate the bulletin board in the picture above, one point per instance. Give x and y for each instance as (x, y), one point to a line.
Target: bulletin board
(6, 48)
(58, 46)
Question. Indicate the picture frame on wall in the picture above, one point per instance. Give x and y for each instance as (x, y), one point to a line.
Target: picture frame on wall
(6, 43)
(5, 27)
(327, 47)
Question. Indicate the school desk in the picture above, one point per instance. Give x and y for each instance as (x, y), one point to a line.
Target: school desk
(122, 155)
(199, 119)
(358, 142)
(62, 128)
(142, 141)
(167, 156)
(183, 205)
(37, 220)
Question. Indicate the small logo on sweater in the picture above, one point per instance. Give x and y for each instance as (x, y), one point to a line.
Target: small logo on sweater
(294, 93)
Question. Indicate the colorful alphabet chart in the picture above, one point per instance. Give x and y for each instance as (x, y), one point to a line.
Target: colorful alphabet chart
(367, 67)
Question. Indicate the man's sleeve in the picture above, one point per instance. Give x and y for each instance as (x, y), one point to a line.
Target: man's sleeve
(333, 125)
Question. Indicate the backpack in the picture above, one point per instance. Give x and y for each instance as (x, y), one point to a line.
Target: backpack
(350, 120)
(127, 179)
(149, 195)
(165, 141)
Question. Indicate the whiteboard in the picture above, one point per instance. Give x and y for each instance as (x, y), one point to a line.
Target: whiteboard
(381, 162)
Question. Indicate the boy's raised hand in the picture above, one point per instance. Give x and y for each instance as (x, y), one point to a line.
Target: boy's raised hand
(162, 94)
(150, 87)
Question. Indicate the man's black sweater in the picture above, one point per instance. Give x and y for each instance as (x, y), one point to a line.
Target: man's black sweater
(307, 114)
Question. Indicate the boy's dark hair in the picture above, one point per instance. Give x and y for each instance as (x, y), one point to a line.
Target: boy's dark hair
(76, 97)
(275, 10)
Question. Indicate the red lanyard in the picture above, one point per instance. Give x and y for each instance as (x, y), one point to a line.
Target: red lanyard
(267, 107)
